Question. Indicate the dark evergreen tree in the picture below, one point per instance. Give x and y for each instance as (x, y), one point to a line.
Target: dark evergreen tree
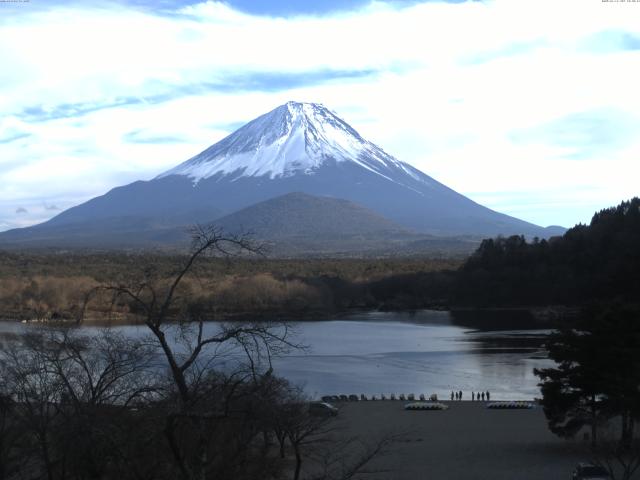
(599, 261)
(597, 376)
(616, 328)
(572, 391)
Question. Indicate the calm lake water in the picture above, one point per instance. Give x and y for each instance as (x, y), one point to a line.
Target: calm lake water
(425, 352)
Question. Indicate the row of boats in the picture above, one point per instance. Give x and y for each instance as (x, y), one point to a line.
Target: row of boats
(422, 403)
(362, 398)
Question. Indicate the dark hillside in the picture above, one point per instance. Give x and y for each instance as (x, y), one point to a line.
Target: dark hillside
(299, 214)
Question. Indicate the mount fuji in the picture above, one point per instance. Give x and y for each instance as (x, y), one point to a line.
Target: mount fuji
(297, 147)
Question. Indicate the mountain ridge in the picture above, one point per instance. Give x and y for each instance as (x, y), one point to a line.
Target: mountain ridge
(297, 147)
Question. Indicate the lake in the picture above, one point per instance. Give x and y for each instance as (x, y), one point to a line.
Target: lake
(423, 352)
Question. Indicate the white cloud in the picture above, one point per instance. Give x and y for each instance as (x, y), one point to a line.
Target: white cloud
(450, 84)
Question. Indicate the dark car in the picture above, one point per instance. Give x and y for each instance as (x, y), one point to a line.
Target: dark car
(322, 409)
(589, 471)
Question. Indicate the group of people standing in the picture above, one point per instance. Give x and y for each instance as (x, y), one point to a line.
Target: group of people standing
(475, 396)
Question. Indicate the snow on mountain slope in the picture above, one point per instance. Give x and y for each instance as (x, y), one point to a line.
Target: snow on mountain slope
(291, 139)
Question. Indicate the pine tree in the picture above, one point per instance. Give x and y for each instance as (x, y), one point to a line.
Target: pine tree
(597, 376)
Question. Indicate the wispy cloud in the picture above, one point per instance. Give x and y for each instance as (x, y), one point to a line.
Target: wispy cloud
(139, 136)
(229, 83)
(584, 135)
(13, 138)
(610, 41)
(41, 113)
(631, 41)
(499, 95)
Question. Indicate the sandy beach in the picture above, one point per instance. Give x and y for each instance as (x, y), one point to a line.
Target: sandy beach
(467, 441)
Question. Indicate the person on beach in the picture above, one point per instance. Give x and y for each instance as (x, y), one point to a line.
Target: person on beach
(483, 396)
(460, 395)
(473, 397)
(452, 395)
(488, 396)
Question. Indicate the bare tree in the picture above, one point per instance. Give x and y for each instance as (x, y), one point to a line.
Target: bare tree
(303, 429)
(37, 394)
(221, 395)
(348, 458)
(71, 391)
(318, 442)
(9, 433)
(190, 400)
(192, 350)
(330, 454)
(102, 375)
(157, 306)
(620, 458)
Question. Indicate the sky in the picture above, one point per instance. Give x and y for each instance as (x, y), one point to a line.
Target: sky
(531, 108)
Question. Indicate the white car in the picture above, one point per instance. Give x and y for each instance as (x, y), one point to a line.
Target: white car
(322, 409)
(589, 471)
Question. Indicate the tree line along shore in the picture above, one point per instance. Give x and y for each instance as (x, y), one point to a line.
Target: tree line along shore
(41, 286)
(588, 263)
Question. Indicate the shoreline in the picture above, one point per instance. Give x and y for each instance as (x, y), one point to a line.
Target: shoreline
(466, 442)
(544, 315)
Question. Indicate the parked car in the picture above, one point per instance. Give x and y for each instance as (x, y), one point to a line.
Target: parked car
(589, 471)
(322, 409)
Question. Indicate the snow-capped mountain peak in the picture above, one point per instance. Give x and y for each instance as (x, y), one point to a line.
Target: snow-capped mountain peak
(296, 149)
(294, 138)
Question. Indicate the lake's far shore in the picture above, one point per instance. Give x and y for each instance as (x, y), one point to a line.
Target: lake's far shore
(550, 316)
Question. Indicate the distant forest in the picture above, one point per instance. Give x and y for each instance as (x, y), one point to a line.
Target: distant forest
(42, 286)
(599, 261)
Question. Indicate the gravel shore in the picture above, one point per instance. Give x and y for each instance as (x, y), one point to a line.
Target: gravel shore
(467, 441)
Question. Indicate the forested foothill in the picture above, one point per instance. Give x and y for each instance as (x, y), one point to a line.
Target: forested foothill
(599, 261)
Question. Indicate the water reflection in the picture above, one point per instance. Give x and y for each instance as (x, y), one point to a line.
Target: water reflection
(422, 352)
(491, 320)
